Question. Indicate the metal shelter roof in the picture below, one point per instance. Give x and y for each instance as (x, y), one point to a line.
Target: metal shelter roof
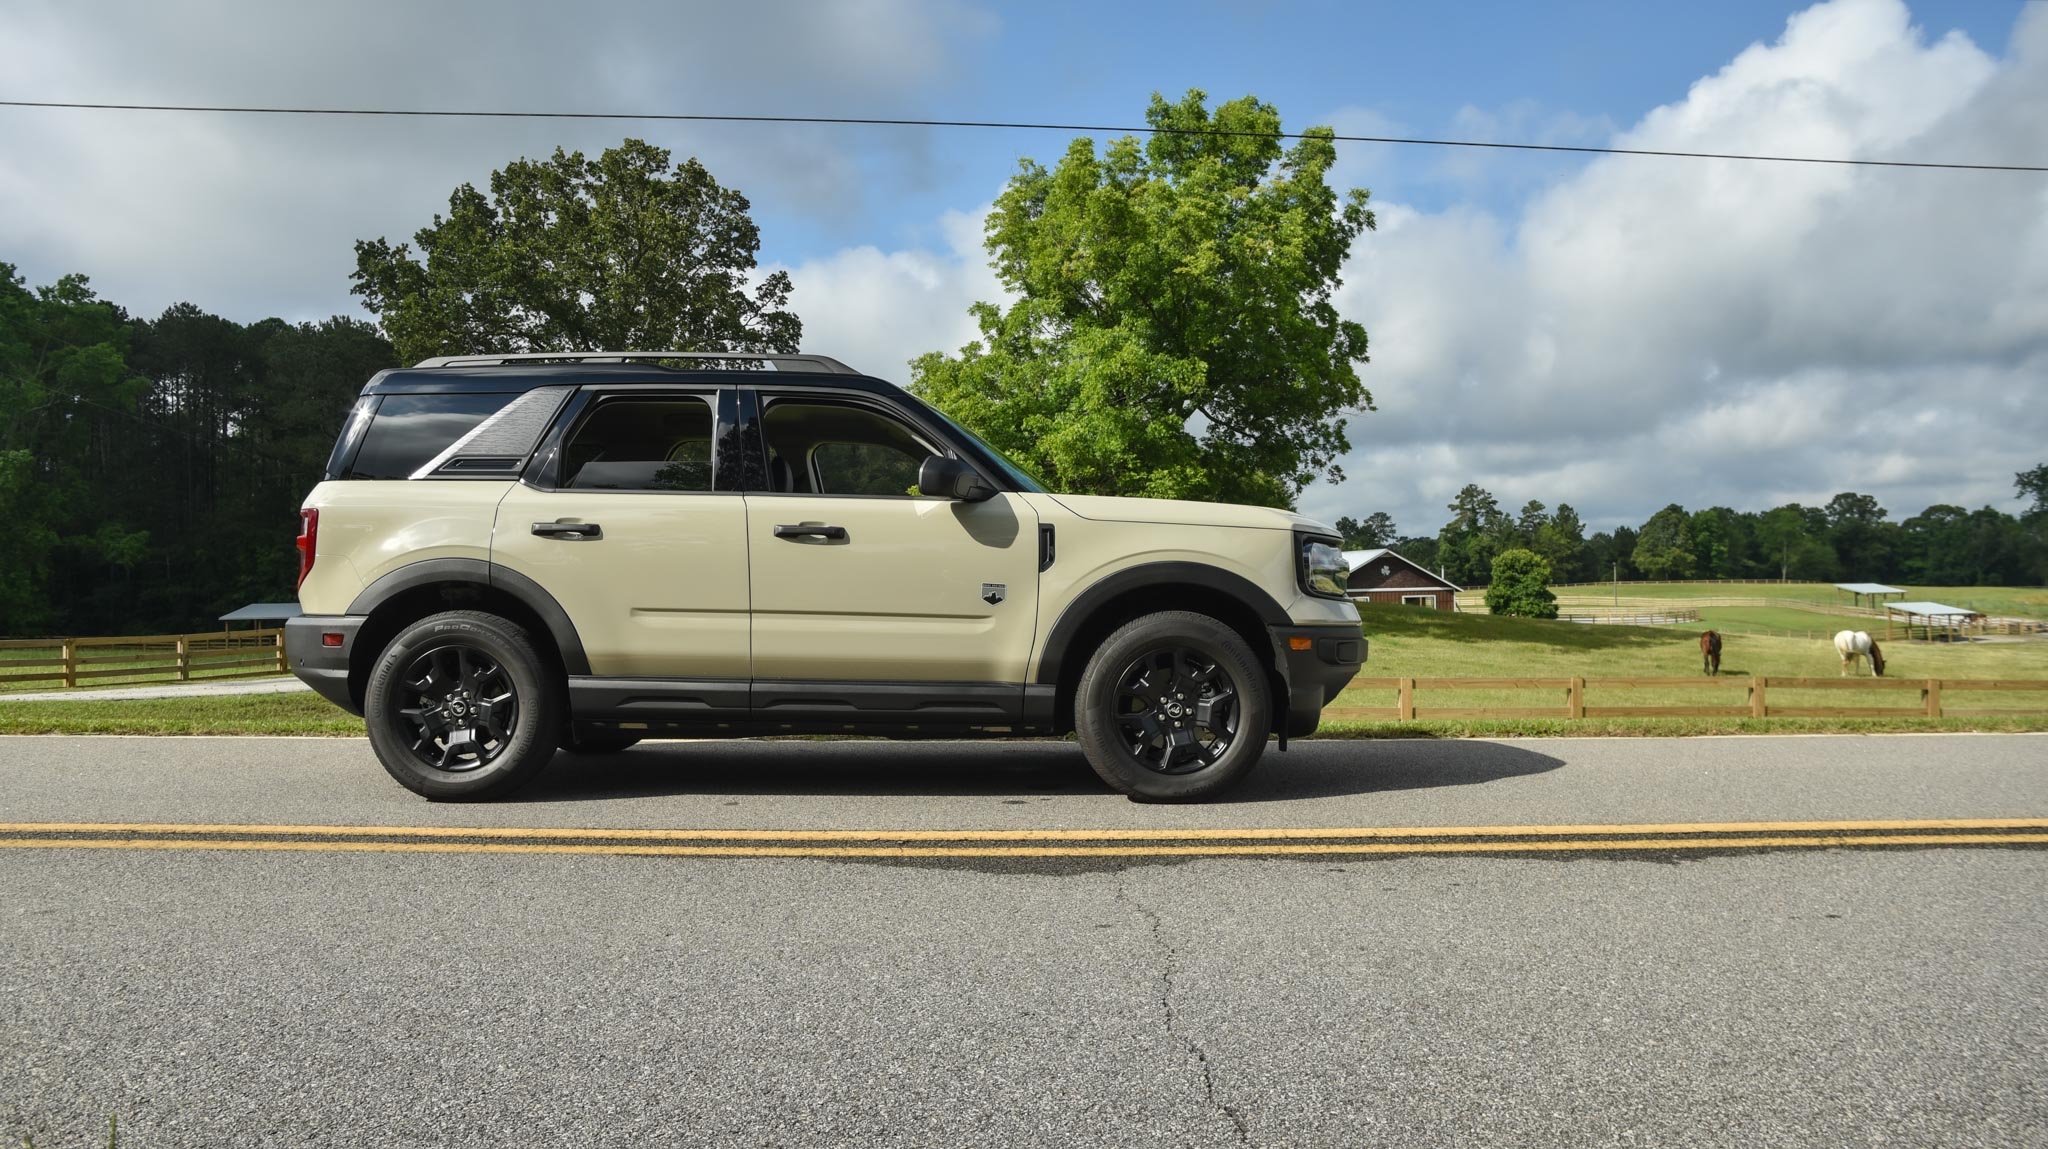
(262, 612)
(1868, 588)
(1930, 610)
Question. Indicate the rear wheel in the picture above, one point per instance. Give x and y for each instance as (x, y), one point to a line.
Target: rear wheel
(1173, 707)
(462, 705)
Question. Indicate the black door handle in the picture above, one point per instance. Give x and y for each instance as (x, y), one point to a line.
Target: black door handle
(810, 530)
(569, 530)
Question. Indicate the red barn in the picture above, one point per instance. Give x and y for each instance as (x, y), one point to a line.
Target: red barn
(1380, 575)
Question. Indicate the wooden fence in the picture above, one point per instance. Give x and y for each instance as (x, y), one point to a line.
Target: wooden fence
(67, 662)
(1930, 701)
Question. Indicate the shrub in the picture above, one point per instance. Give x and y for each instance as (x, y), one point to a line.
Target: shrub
(1521, 585)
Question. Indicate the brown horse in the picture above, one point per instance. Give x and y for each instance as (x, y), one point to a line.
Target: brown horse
(1710, 652)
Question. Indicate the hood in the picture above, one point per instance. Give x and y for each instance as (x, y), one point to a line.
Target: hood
(1182, 512)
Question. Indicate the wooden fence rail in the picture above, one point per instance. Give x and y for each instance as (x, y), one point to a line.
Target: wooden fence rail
(1932, 701)
(145, 658)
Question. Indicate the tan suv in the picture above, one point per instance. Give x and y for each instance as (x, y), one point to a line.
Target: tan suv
(511, 554)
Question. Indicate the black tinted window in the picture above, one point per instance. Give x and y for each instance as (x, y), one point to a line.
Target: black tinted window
(641, 445)
(409, 430)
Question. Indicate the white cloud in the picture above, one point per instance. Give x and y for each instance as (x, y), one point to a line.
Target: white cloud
(255, 216)
(1705, 331)
(877, 310)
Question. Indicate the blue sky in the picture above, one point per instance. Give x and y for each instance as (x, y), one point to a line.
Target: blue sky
(1549, 72)
(1615, 333)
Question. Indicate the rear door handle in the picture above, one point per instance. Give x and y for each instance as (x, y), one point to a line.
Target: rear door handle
(810, 530)
(569, 530)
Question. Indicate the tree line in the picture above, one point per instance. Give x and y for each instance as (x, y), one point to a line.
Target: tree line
(1851, 538)
(151, 468)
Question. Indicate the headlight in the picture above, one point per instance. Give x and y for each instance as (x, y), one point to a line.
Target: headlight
(1323, 570)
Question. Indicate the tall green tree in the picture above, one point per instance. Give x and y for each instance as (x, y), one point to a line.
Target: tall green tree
(627, 251)
(1664, 546)
(1173, 333)
(1375, 530)
(1561, 539)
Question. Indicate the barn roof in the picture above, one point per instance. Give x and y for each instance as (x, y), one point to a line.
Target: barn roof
(1867, 588)
(1359, 559)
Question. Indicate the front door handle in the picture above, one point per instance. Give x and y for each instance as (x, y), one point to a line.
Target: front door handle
(810, 530)
(561, 530)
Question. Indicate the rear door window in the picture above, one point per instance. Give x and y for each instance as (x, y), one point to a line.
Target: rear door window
(654, 443)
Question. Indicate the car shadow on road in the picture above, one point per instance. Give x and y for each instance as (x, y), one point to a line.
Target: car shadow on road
(1016, 771)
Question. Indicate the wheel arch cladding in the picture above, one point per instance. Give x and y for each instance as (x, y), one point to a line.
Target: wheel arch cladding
(1097, 612)
(413, 592)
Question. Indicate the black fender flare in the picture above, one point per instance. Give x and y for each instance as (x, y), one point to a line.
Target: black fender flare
(1075, 615)
(452, 570)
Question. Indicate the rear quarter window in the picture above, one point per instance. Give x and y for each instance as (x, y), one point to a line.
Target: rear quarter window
(409, 430)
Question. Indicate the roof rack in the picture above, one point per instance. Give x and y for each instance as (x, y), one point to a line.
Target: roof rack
(824, 363)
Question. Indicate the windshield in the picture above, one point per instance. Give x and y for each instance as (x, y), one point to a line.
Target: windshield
(1024, 479)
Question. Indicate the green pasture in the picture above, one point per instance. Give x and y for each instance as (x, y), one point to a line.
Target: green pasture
(1407, 642)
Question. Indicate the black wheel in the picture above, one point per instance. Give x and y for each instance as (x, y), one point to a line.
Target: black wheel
(584, 738)
(462, 705)
(1173, 707)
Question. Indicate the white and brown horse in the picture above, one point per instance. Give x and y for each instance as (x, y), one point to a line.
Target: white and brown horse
(1855, 644)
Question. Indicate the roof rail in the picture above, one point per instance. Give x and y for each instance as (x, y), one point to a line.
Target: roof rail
(780, 362)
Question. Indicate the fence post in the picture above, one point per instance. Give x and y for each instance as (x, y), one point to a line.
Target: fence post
(1405, 703)
(1758, 706)
(184, 659)
(70, 664)
(1933, 696)
(278, 640)
(1575, 698)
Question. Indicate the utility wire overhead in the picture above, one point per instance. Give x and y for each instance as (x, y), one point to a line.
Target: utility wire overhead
(866, 121)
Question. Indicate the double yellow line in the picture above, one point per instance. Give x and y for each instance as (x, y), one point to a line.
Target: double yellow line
(1118, 843)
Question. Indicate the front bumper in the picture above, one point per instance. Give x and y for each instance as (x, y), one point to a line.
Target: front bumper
(323, 667)
(1318, 671)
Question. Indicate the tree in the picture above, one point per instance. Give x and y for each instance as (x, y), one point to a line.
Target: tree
(1664, 546)
(2033, 484)
(1174, 333)
(1561, 540)
(1521, 585)
(571, 254)
(1531, 520)
(1862, 539)
(1376, 530)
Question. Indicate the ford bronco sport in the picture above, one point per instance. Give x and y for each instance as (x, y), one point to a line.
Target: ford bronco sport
(511, 554)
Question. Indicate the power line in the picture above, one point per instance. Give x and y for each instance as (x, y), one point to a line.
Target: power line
(867, 121)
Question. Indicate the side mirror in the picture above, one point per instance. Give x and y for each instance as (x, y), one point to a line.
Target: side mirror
(952, 479)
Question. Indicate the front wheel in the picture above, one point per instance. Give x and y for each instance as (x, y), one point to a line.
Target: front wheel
(1173, 707)
(462, 705)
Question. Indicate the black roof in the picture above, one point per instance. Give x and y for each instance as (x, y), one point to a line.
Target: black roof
(525, 377)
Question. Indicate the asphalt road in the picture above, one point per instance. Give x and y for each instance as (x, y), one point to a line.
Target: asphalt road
(306, 996)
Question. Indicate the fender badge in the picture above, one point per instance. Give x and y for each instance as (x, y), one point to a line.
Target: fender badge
(994, 592)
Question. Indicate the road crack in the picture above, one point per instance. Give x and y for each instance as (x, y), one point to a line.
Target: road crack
(1168, 963)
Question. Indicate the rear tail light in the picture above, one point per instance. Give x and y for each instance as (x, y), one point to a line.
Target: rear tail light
(309, 537)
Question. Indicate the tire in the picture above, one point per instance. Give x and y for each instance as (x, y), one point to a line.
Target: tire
(462, 706)
(1146, 713)
(583, 738)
